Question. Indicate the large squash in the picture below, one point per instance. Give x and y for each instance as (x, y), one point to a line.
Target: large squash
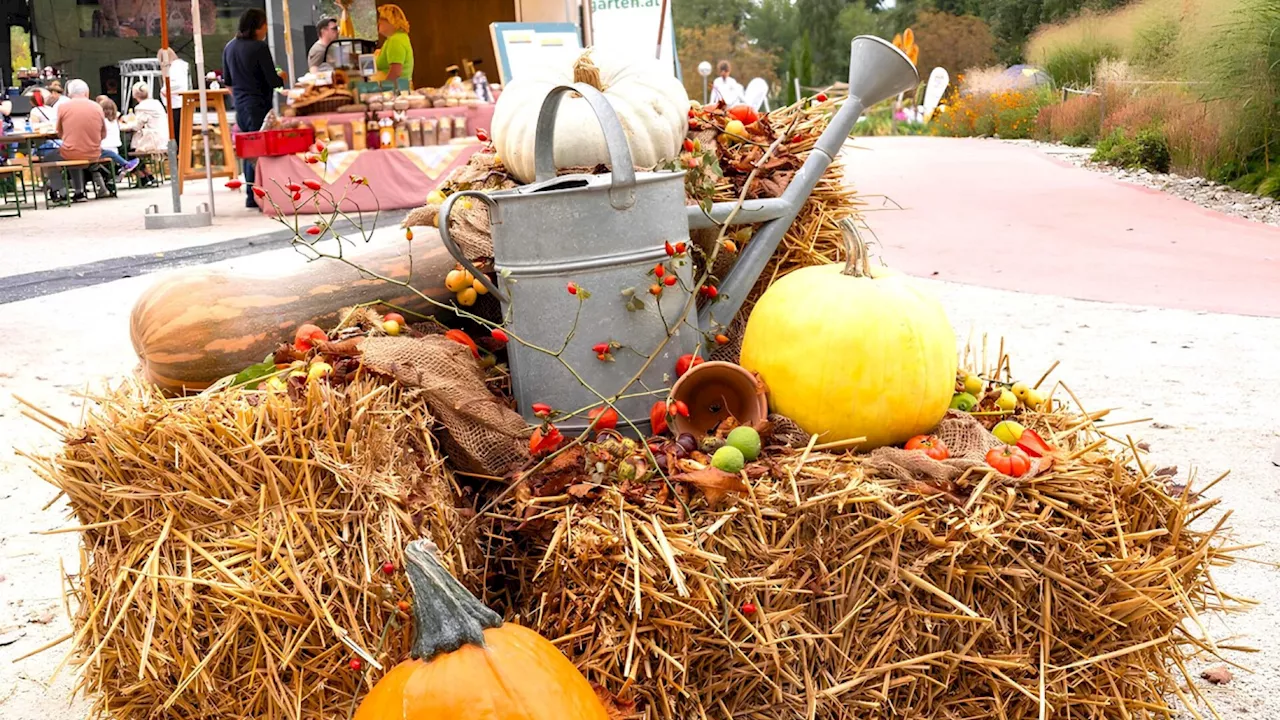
(649, 100)
(197, 326)
(853, 351)
(466, 664)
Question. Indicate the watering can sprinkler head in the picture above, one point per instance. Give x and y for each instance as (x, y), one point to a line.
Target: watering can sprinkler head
(878, 70)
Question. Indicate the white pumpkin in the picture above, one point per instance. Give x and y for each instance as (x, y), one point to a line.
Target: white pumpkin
(650, 102)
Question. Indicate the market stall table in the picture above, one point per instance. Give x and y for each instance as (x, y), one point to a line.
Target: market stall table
(395, 179)
(400, 177)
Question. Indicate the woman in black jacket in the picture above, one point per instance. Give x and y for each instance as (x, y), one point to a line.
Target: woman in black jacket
(249, 70)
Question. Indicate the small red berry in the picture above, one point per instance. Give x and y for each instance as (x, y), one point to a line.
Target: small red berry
(602, 357)
(482, 135)
(572, 288)
(314, 230)
(408, 233)
(297, 196)
(670, 280)
(259, 192)
(500, 335)
(293, 187)
(688, 145)
(312, 184)
(748, 608)
(394, 317)
(671, 249)
(355, 664)
(312, 159)
(655, 290)
(691, 112)
(820, 97)
(680, 248)
(710, 291)
(542, 410)
(659, 270)
(681, 408)
(693, 124)
(234, 184)
(722, 339)
(388, 568)
(404, 606)
(600, 348)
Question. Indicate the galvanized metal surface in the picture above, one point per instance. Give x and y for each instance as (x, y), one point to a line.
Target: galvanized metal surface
(604, 233)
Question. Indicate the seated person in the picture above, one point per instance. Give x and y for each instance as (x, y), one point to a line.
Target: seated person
(111, 145)
(82, 128)
(150, 127)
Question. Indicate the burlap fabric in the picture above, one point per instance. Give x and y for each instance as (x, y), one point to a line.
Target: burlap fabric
(481, 434)
(964, 436)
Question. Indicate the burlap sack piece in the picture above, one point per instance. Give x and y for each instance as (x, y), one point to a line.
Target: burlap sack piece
(481, 434)
(963, 435)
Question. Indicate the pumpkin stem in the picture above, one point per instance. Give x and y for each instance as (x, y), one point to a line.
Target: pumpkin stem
(585, 71)
(857, 262)
(446, 616)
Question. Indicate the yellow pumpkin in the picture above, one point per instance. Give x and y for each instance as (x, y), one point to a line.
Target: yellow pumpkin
(468, 665)
(853, 351)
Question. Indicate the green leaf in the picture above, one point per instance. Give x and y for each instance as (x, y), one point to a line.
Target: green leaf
(635, 304)
(250, 376)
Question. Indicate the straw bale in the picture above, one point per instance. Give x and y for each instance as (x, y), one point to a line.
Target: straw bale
(1078, 593)
(231, 541)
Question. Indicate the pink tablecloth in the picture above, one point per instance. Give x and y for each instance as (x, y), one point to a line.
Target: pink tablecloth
(394, 179)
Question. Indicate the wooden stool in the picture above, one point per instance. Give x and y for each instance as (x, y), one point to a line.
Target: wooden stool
(219, 138)
(12, 174)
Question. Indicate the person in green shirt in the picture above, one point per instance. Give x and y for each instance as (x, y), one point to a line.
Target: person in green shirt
(395, 60)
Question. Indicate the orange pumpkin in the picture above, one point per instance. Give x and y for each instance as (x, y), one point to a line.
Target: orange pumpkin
(467, 664)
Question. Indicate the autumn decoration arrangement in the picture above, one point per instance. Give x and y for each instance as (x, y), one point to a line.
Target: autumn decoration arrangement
(827, 512)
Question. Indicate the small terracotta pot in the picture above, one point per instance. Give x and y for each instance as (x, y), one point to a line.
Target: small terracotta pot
(714, 391)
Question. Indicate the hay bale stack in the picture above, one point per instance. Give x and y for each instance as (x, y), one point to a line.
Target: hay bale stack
(1073, 594)
(232, 541)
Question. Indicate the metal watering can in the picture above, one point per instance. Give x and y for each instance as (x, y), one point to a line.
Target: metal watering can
(605, 233)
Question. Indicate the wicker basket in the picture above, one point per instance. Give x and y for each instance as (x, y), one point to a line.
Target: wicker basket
(326, 105)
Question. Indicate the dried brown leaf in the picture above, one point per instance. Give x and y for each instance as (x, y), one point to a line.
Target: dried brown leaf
(1217, 675)
(713, 482)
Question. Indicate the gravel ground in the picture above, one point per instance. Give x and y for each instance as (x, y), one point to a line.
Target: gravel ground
(1203, 192)
(1208, 381)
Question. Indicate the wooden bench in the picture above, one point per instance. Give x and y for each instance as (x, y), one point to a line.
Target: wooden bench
(12, 174)
(66, 167)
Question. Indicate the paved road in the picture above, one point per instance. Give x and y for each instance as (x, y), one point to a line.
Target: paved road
(1007, 216)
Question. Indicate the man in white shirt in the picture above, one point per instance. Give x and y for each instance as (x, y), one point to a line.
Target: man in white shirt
(726, 88)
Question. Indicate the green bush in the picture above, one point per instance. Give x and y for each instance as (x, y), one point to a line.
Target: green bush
(1154, 43)
(1148, 149)
(1073, 65)
(1077, 139)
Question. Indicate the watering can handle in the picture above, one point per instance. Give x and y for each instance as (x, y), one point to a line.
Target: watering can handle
(622, 193)
(452, 247)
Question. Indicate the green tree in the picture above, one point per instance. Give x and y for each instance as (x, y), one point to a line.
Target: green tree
(705, 13)
(820, 19)
(801, 66)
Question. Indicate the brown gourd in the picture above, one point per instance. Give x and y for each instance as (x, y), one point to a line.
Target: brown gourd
(467, 664)
(194, 327)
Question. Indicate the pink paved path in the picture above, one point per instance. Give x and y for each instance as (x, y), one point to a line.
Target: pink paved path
(1007, 216)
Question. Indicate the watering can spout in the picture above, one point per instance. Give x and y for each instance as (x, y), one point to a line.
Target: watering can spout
(877, 71)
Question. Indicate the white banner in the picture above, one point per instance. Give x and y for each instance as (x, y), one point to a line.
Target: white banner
(938, 81)
(630, 27)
